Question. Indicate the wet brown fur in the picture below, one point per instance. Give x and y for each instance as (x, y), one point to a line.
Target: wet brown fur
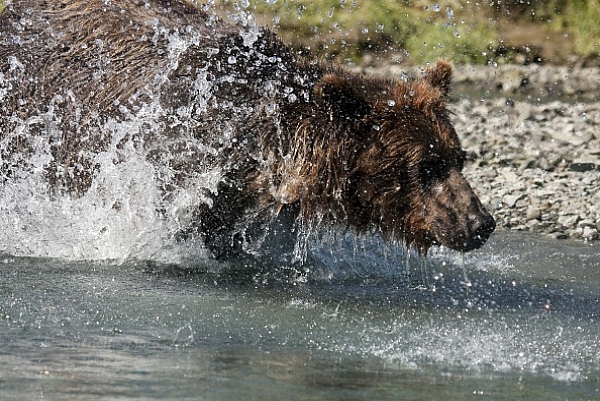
(365, 168)
(373, 154)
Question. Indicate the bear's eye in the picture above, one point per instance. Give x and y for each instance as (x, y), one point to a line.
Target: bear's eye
(434, 170)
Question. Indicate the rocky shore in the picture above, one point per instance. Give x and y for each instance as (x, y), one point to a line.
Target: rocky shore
(532, 134)
(533, 137)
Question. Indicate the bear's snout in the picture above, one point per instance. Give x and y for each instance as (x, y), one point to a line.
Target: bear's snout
(461, 222)
(479, 228)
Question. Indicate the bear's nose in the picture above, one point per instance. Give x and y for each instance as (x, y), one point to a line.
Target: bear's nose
(481, 226)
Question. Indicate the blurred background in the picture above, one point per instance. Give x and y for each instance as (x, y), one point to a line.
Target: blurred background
(367, 32)
(414, 32)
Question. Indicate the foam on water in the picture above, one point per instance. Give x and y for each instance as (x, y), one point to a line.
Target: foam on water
(496, 345)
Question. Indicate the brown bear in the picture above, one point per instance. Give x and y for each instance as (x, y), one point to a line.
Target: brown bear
(286, 133)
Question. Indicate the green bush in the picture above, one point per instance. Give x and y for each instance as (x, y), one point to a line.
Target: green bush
(581, 18)
(578, 20)
(349, 29)
(455, 43)
(343, 28)
(460, 30)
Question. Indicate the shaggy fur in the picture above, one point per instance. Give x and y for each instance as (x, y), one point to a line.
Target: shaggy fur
(289, 131)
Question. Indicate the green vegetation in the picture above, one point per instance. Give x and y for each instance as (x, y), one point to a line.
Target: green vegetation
(580, 18)
(421, 31)
(464, 31)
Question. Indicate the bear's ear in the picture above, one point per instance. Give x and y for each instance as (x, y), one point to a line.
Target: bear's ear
(440, 75)
(341, 96)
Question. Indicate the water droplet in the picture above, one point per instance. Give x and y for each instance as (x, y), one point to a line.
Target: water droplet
(391, 103)
(270, 108)
(456, 34)
(376, 127)
(437, 7)
(449, 13)
(244, 3)
(231, 60)
(365, 31)
(330, 13)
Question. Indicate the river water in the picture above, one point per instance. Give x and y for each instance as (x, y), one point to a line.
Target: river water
(361, 320)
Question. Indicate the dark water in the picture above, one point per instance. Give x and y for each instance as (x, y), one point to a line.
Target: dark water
(517, 320)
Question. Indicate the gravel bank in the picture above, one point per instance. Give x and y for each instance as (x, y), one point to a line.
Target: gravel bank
(533, 138)
(536, 167)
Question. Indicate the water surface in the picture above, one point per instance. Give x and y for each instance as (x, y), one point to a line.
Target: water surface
(362, 320)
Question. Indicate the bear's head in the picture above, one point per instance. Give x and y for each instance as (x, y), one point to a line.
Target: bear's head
(382, 155)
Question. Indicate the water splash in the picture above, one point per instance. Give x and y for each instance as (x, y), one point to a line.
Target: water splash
(124, 214)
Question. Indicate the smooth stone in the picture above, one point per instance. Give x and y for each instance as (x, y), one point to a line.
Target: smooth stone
(582, 167)
(510, 200)
(533, 213)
